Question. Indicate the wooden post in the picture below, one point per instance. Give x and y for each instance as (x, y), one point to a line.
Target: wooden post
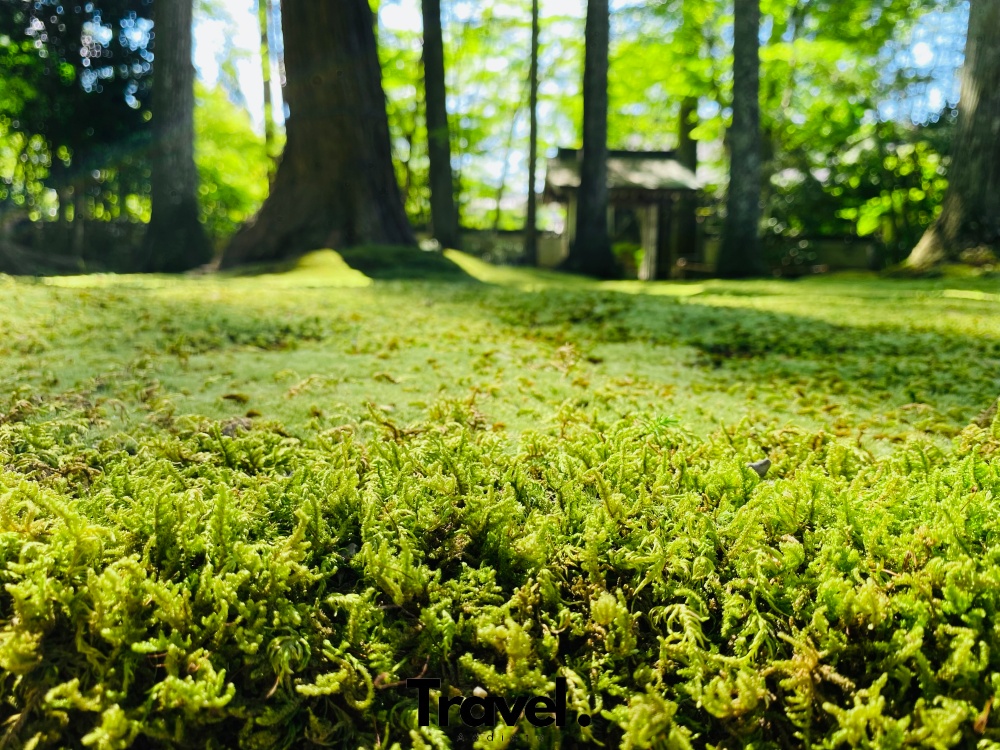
(649, 232)
(569, 232)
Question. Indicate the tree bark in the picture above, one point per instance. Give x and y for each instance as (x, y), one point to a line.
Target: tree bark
(739, 253)
(78, 241)
(263, 16)
(175, 239)
(590, 252)
(335, 185)
(970, 215)
(531, 220)
(444, 214)
(686, 226)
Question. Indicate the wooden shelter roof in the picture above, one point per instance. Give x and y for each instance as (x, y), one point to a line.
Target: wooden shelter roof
(628, 171)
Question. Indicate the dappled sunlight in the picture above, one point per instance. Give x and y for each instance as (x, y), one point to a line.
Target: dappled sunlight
(655, 288)
(320, 268)
(970, 294)
(529, 279)
(517, 277)
(112, 280)
(509, 408)
(846, 298)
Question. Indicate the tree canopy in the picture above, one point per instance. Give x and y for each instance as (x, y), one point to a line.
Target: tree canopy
(858, 106)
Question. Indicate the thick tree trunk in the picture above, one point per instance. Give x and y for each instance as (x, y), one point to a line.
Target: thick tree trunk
(263, 16)
(444, 214)
(175, 239)
(531, 220)
(335, 185)
(970, 216)
(590, 252)
(739, 253)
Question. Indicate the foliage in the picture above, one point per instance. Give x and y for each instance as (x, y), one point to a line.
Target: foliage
(179, 570)
(829, 73)
(402, 80)
(232, 164)
(910, 184)
(76, 81)
(490, 87)
(89, 126)
(840, 154)
(487, 84)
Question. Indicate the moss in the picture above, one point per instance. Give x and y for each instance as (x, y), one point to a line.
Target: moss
(237, 512)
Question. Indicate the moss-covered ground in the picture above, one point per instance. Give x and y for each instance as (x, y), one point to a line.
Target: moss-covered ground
(238, 510)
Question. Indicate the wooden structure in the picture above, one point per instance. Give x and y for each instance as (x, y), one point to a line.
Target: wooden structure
(643, 187)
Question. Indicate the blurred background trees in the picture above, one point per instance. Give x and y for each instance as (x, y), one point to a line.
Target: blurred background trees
(858, 112)
(74, 113)
(175, 239)
(970, 216)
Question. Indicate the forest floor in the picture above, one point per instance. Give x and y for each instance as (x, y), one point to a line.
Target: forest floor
(379, 473)
(317, 345)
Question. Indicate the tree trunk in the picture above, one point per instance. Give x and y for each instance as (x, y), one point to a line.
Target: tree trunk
(685, 229)
(970, 215)
(335, 185)
(444, 215)
(739, 253)
(79, 218)
(531, 220)
(175, 239)
(590, 252)
(263, 14)
(64, 193)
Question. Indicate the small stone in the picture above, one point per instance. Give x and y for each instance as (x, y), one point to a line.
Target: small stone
(235, 426)
(761, 466)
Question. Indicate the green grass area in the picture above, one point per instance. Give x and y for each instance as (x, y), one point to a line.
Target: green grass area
(237, 510)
